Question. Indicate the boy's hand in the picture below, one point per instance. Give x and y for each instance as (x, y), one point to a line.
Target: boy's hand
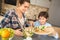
(53, 32)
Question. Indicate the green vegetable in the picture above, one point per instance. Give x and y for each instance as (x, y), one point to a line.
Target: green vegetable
(42, 27)
(5, 38)
(11, 33)
(28, 33)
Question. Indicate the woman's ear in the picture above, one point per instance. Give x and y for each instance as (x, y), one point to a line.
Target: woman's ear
(18, 5)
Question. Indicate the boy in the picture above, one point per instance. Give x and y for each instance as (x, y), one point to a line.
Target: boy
(42, 20)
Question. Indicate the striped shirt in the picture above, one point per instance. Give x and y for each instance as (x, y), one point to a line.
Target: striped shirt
(11, 20)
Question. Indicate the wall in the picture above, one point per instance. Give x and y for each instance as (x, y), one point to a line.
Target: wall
(54, 12)
(36, 7)
(43, 3)
(32, 12)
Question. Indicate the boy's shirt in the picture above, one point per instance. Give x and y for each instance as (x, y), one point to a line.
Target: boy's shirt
(37, 23)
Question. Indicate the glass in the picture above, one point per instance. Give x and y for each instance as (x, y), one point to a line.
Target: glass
(28, 38)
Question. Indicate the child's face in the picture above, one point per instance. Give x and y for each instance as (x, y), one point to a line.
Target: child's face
(42, 20)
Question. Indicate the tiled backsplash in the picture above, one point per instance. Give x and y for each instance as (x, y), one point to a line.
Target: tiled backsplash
(34, 10)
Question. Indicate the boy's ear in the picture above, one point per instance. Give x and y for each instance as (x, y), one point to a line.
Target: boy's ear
(47, 19)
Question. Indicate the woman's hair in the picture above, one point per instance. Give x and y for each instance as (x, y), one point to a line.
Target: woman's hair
(44, 14)
(22, 1)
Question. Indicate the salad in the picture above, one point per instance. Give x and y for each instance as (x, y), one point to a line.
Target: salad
(6, 33)
(28, 32)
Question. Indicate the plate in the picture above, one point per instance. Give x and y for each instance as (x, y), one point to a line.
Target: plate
(42, 32)
(39, 33)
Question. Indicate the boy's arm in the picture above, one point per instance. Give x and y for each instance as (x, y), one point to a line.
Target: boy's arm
(53, 33)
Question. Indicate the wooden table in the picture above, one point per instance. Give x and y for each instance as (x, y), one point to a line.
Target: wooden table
(37, 37)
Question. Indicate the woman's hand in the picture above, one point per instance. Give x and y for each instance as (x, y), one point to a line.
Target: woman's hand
(18, 32)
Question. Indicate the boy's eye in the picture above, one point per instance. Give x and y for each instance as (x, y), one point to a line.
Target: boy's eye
(43, 19)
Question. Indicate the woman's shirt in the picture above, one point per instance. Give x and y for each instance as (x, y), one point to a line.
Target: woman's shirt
(21, 20)
(11, 20)
(37, 23)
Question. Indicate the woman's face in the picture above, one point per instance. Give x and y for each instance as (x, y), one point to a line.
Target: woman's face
(42, 20)
(24, 7)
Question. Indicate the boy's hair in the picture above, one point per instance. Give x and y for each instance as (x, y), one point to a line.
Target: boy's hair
(44, 14)
(22, 1)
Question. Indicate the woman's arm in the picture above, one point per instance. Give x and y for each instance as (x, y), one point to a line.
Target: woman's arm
(6, 20)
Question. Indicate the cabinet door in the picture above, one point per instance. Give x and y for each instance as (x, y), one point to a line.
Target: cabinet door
(12, 2)
(0, 5)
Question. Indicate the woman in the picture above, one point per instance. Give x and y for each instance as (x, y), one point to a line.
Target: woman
(15, 18)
